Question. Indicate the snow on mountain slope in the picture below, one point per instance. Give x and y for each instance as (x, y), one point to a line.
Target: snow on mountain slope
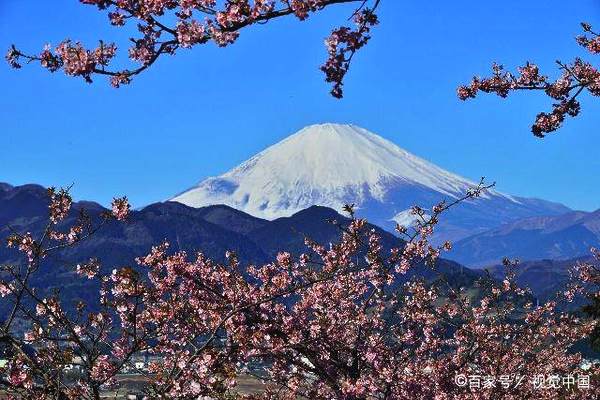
(331, 165)
(321, 164)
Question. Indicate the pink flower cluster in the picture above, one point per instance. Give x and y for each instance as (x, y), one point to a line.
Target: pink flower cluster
(12, 57)
(25, 244)
(120, 208)
(60, 204)
(340, 321)
(73, 58)
(341, 46)
(190, 33)
(591, 42)
(89, 269)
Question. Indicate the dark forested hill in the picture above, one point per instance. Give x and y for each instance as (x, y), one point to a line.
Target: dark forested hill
(211, 230)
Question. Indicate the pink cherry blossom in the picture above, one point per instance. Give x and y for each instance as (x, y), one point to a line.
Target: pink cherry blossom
(576, 78)
(165, 26)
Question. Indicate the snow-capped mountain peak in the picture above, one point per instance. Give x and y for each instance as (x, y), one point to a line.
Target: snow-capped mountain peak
(331, 165)
(322, 163)
(331, 156)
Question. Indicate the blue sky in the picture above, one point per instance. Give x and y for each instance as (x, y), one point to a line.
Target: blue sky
(204, 111)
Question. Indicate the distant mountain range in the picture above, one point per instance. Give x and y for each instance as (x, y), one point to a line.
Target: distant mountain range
(332, 165)
(212, 230)
(292, 189)
(559, 237)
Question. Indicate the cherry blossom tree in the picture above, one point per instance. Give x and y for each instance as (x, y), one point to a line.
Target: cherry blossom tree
(576, 78)
(589, 273)
(336, 322)
(197, 22)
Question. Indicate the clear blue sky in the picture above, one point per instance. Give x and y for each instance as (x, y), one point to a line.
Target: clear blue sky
(207, 109)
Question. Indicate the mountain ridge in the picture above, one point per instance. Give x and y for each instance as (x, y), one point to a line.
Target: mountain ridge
(332, 164)
(209, 230)
(558, 237)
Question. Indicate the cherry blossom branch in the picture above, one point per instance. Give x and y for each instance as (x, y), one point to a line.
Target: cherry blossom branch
(222, 25)
(576, 77)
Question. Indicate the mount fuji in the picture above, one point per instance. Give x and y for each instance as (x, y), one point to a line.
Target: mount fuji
(332, 165)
